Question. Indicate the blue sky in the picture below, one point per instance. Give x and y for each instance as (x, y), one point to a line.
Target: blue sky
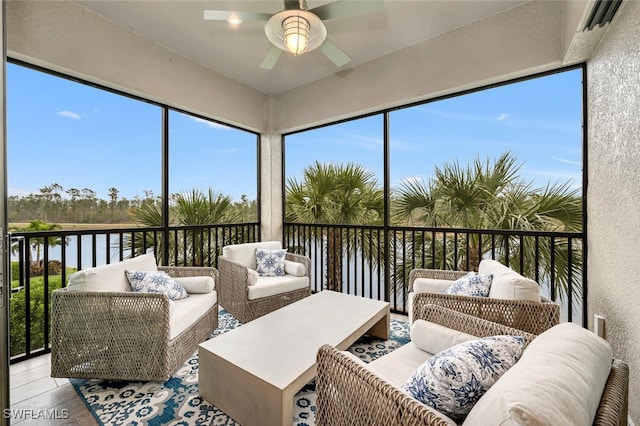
(81, 137)
(539, 121)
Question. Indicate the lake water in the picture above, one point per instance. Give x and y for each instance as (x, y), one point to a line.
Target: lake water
(86, 251)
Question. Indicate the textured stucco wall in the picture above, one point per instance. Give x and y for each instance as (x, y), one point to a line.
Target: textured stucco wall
(614, 189)
(65, 37)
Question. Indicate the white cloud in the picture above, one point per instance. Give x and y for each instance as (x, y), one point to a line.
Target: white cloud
(564, 160)
(466, 116)
(210, 124)
(368, 143)
(225, 151)
(69, 114)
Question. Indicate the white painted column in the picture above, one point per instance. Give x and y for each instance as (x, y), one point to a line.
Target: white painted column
(271, 196)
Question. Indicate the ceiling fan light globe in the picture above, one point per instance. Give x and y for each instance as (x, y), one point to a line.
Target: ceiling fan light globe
(296, 34)
(316, 32)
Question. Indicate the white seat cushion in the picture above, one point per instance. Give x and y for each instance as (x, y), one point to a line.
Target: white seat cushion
(397, 366)
(245, 254)
(270, 286)
(427, 338)
(558, 381)
(111, 277)
(507, 283)
(397, 369)
(185, 311)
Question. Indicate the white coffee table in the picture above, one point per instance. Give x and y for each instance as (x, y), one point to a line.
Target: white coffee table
(253, 372)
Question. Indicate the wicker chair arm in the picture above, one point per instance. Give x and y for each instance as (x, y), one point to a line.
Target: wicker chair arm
(129, 311)
(305, 260)
(228, 268)
(439, 274)
(114, 326)
(468, 323)
(234, 281)
(532, 317)
(614, 403)
(350, 395)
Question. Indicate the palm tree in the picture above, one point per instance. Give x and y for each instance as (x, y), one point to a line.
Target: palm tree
(491, 195)
(194, 207)
(197, 208)
(343, 194)
(37, 243)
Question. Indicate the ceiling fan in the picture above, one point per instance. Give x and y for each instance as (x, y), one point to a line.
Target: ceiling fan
(297, 29)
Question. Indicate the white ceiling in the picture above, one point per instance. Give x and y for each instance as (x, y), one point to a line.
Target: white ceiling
(238, 52)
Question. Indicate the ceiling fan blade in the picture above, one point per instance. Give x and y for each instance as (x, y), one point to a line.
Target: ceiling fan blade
(292, 4)
(334, 53)
(271, 58)
(341, 9)
(225, 15)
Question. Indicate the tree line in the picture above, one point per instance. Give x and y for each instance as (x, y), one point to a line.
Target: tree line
(55, 204)
(480, 195)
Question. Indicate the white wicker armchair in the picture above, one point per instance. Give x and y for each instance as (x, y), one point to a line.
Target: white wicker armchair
(532, 316)
(247, 298)
(126, 335)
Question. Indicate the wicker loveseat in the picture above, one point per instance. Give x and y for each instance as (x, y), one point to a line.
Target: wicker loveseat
(551, 384)
(246, 295)
(513, 300)
(101, 329)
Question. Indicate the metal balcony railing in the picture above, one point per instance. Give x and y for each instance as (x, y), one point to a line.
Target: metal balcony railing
(375, 261)
(367, 261)
(41, 262)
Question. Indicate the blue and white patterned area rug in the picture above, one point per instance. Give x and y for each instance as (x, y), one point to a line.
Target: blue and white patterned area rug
(177, 402)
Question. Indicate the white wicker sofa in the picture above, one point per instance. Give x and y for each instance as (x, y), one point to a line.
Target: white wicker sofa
(102, 329)
(565, 376)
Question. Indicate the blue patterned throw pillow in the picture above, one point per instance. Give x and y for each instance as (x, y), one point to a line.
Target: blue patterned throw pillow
(156, 282)
(270, 263)
(453, 380)
(471, 285)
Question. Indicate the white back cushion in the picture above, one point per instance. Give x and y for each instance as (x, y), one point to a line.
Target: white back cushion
(430, 285)
(245, 254)
(558, 381)
(507, 283)
(196, 285)
(111, 277)
(295, 268)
